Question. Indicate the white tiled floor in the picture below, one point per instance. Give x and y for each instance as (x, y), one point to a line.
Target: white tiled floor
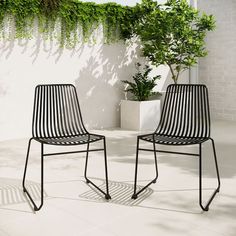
(71, 207)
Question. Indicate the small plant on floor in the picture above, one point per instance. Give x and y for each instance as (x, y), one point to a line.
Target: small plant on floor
(143, 85)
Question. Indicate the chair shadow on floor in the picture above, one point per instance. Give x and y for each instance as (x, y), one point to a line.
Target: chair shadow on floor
(11, 193)
(121, 193)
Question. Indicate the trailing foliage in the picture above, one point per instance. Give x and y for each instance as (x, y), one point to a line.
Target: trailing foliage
(173, 34)
(69, 21)
(143, 85)
(50, 4)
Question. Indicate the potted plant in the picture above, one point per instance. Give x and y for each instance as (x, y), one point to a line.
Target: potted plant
(141, 111)
(172, 34)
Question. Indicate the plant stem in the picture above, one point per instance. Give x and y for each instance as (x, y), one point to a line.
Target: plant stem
(173, 74)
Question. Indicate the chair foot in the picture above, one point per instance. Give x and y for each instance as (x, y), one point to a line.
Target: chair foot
(35, 207)
(107, 196)
(205, 208)
(135, 195)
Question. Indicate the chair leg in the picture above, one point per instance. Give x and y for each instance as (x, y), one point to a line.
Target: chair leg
(107, 195)
(86, 164)
(135, 195)
(216, 164)
(155, 159)
(36, 208)
(206, 207)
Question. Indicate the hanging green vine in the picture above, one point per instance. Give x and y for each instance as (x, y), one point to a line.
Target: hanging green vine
(68, 21)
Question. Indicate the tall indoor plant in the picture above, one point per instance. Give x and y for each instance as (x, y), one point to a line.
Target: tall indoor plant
(172, 34)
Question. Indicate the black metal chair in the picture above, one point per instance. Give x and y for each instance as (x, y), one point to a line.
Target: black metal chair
(57, 120)
(185, 120)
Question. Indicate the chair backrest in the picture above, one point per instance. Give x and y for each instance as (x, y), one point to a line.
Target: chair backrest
(56, 111)
(185, 111)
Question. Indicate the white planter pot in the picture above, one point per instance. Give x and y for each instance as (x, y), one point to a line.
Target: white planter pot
(142, 116)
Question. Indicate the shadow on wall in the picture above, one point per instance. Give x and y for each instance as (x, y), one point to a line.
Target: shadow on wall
(96, 70)
(35, 49)
(99, 83)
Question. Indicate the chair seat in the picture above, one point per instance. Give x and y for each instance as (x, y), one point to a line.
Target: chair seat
(71, 140)
(172, 140)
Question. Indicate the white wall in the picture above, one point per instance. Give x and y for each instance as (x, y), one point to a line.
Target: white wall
(96, 70)
(218, 70)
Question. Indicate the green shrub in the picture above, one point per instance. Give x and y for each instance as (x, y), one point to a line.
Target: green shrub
(173, 34)
(142, 87)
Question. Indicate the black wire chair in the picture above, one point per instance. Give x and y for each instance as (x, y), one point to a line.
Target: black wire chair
(57, 120)
(185, 120)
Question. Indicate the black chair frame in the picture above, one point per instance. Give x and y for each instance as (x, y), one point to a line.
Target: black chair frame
(52, 125)
(192, 126)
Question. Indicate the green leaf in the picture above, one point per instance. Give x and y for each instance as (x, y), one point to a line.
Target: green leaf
(142, 87)
(117, 20)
